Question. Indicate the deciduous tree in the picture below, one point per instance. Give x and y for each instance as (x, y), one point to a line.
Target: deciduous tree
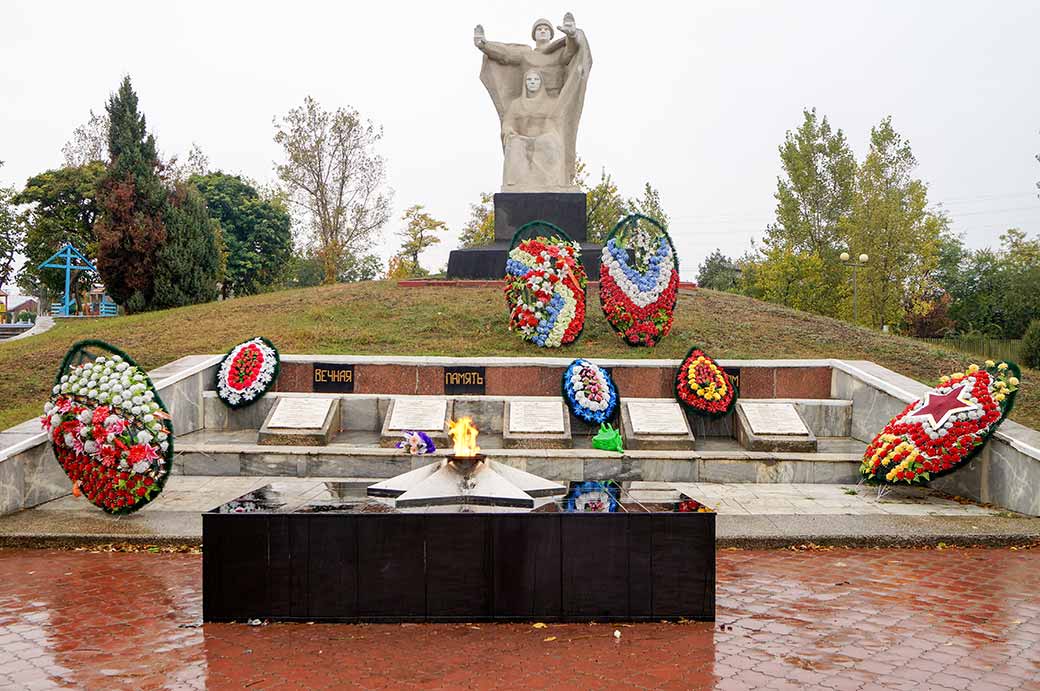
(256, 230)
(649, 205)
(814, 196)
(364, 268)
(718, 272)
(194, 164)
(890, 221)
(604, 207)
(11, 231)
(480, 227)
(62, 208)
(333, 174)
(89, 142)
(417, 235)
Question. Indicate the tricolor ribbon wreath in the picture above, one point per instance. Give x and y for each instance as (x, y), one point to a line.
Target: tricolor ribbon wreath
(545, 286)
(639, 280)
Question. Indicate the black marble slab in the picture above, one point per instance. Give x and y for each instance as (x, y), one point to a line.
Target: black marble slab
(365, 561)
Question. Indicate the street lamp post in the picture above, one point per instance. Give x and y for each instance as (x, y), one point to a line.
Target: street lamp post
(846, 259)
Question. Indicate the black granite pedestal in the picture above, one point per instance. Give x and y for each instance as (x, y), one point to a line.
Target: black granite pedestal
(512, 211)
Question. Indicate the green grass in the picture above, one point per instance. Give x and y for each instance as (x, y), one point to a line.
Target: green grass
(379, 318)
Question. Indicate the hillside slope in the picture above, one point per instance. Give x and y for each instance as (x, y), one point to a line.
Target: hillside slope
(381, 318)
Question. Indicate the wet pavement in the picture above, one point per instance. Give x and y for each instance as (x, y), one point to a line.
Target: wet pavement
(831, 619)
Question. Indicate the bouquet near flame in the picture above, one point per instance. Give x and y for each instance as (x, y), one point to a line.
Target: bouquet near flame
(417, 443)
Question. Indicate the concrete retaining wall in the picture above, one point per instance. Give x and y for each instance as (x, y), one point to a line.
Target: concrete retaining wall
(1007, 471)
(29, 473)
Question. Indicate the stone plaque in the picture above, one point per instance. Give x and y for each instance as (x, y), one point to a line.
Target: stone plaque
(300, 413)
(415, 414)
(332, 378)
(734, 375)
(464, 380)
(656, 417)
(774, 418)
(536, 416)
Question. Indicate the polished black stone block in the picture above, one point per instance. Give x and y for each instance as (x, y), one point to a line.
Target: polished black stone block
(563, 209)
(458, 567)
(489, 262)
(514, 209)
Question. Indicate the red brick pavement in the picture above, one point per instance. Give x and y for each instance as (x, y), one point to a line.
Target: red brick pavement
(841, 619)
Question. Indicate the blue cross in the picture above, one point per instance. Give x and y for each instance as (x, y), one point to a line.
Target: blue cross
(71, 260)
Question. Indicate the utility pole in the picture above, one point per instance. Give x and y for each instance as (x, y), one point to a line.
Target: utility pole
(846, 259)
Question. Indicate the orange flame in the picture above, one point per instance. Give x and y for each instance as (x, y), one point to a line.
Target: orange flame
(464, 434)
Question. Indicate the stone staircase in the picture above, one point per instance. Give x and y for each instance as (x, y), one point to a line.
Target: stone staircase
(228, 445)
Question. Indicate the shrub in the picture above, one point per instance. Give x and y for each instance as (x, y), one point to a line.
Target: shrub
(1031, 345)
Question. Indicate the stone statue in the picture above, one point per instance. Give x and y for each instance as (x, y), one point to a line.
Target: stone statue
(538, 93)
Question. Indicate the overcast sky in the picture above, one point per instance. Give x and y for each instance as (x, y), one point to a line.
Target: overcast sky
(694, 97)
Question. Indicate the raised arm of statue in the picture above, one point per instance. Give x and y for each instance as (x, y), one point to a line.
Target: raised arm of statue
(572, 36)
(499, 52)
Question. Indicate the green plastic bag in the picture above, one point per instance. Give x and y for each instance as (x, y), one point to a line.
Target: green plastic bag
(608, 439)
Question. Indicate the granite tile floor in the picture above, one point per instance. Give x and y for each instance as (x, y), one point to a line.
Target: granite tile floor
(818, 499)
(867, 619)
(197, 494)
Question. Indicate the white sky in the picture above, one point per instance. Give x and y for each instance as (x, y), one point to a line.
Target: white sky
(693, 96)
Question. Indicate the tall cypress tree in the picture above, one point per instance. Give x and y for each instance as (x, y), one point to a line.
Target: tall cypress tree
(192, 261)
(133, 204)
(157, 247)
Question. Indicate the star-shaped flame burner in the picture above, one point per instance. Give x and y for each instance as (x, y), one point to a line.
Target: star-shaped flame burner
(466, 480)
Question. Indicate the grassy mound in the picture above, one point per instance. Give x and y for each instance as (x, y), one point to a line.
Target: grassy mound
(380, 318)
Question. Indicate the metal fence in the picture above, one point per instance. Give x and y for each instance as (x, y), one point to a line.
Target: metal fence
(980, 346)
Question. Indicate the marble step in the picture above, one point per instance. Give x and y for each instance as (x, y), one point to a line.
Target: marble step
(209, 454)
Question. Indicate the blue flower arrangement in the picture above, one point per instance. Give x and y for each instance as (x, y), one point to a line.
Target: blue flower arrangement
(589, 392)
(417, 443)
(592, 497)
(646, 281)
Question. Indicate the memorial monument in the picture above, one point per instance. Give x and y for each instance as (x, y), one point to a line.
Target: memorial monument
(538, 94)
